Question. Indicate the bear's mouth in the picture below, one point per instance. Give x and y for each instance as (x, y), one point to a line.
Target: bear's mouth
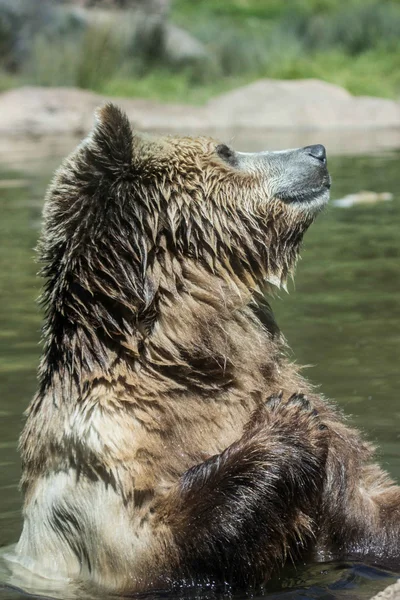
(304, 179)
(298, 177)
(315, 196)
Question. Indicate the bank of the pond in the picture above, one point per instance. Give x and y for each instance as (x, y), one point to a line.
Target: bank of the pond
(265, 105)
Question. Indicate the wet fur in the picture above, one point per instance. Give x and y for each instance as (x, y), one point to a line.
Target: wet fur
(156, 451)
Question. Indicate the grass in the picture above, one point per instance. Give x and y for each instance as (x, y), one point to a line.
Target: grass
(374, 73)
(161, 85)
(355, 44)
(8, 81)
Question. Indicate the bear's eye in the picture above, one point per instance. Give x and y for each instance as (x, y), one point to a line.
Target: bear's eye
(226, 154)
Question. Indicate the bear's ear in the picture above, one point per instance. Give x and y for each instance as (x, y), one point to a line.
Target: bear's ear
(111, 140)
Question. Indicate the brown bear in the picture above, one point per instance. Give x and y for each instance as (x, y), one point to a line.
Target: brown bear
(170, 440)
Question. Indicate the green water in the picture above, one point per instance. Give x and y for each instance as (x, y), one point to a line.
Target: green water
(342, 317)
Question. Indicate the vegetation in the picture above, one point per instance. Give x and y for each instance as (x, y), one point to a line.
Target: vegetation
(355, 44)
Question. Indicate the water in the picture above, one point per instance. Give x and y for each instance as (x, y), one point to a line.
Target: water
(342, 317)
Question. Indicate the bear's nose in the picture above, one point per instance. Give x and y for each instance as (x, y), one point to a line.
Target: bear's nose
(317, 151)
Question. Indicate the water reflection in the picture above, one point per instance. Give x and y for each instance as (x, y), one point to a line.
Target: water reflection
(343, 317)
(330, 581)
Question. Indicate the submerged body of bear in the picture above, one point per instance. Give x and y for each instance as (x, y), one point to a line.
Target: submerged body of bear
(170, 440)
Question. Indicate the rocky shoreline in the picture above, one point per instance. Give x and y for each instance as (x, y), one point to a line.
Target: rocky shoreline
(38, 124)
(266, 105)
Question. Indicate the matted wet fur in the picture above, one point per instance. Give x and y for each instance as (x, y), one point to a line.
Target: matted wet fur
(171, 441)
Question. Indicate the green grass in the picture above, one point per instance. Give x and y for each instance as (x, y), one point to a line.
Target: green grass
(373, 73)
(259, 9)
(8, 81)
(165, 86)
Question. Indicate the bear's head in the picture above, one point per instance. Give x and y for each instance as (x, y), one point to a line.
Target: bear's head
(126, 213)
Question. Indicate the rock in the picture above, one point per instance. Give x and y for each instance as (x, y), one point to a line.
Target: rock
(147, 32)
(154, 38)
(182, 48)
(38, 111)
(20, 21)
(392, 592)
(307, 103)
(362, 198)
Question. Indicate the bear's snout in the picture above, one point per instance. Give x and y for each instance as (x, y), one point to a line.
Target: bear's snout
(298, 177)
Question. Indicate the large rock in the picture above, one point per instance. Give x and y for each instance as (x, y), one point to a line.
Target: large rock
(307, 103)
(35, 111)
